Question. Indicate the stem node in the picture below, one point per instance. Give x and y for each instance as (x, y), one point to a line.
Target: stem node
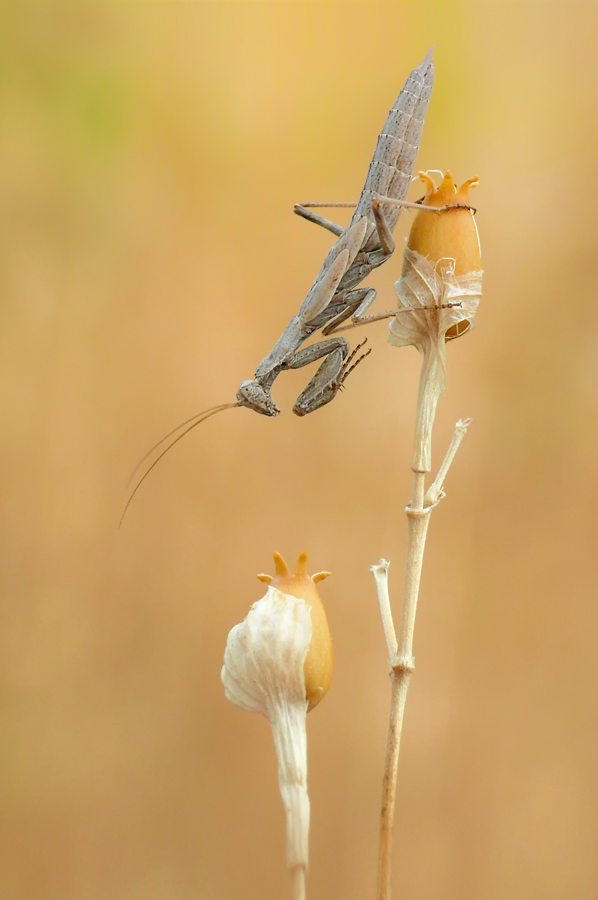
(402, 664)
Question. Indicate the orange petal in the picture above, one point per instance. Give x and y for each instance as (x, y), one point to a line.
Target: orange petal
(301, 566)
(320, 576)
(281, 566)
(463, 192)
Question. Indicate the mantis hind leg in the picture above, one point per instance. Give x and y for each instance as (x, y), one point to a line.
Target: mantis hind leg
(385, 237)
(387, 244)
(318, 220)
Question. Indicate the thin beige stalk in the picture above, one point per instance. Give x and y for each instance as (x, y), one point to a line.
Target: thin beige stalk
(401, 668)
(298, 883)
(401, 662)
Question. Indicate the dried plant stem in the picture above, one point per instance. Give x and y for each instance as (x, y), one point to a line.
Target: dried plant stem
(401, 668)
(298, 883)
(400, 684)
(400, 652)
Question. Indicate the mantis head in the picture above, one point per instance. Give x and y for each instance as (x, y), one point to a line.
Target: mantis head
(253, 396)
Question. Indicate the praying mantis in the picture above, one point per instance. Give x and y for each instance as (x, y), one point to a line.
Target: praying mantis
(366, 244)
(335, 297)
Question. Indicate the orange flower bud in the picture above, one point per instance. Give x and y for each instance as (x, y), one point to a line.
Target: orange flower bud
(442, 267)
(452, 233)
(318, 662)
(438, 294)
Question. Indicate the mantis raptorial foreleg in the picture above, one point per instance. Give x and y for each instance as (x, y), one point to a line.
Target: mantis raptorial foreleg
(317, 351)
(329, 377)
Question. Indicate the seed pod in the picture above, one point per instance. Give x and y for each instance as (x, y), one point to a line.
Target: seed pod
(441, 283)
(452, 233)
(438, 294)
(318, 662)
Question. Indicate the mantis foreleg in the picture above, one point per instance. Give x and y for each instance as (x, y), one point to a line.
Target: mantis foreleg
(329, 377)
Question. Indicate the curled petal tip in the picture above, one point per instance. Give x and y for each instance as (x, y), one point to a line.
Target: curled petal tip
(429, 183)
(320, 576)
(463, 192)
(265, 578)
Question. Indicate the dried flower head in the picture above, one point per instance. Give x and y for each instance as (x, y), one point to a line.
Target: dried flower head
(278, 662)
(438, 293)
(441, 283)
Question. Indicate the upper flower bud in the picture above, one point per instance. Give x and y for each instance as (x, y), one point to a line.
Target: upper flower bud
(442, 268)
(450, 233)
(438, 294)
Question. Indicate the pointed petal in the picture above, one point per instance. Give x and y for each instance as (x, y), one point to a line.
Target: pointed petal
(301, 566)
(281, 566)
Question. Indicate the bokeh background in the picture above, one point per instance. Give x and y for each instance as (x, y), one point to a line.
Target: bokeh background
(150, 155)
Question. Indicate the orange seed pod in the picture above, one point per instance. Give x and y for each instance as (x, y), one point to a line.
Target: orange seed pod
(318, 665)
(451, 233)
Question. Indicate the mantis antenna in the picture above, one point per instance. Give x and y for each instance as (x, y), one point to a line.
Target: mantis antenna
(170, 433)
(197, 419)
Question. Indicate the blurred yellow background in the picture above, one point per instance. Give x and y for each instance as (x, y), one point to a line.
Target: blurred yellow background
(150, 156)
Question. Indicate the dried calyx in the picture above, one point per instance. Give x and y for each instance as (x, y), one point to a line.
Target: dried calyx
(278, 662)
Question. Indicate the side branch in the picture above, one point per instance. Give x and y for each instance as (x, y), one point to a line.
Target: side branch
(435, 492)
(380, 573)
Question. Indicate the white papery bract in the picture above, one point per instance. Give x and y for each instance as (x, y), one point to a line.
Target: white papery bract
(431, 300)
(263, 672)
(266, 652)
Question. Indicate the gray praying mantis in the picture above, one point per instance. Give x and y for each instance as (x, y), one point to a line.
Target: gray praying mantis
(366, 244)
(335, 297)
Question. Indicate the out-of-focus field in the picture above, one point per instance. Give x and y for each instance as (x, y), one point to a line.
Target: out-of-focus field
(150, 156)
